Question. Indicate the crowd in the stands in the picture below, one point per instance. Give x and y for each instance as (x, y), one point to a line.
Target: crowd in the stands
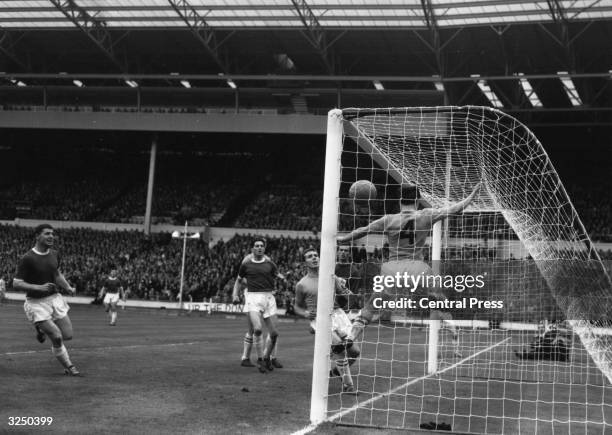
(284, 207)
(150, 267)
(237, 189)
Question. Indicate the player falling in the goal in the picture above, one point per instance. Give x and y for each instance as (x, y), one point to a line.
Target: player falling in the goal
(306, 291)
(112, 290)
(406, 233)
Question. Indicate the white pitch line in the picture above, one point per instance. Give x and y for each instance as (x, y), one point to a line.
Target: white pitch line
(86, 349)
(337, 415)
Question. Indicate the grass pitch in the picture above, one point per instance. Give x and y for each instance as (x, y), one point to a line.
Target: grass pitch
(154, 372)
(159, 373)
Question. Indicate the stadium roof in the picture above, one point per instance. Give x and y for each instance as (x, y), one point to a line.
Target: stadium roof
(241, 14)
(527, 56)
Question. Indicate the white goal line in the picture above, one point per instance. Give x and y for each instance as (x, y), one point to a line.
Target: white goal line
(342, 413)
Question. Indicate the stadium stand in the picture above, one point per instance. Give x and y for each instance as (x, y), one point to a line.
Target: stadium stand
(108, 184)
(150, 267)
(284, 207)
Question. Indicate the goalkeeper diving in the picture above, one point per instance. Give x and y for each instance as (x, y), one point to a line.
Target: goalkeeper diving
(406, 234)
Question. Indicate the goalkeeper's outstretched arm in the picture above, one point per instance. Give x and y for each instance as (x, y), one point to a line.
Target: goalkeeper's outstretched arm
(442, 213)
(376, 226)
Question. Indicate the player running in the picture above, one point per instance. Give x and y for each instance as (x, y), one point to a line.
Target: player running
(406, 233)
(259, 273)
(111, 291)
(306, 306)
(39, 276)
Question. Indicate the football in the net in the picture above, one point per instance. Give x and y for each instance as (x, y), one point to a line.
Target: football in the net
(362, 189)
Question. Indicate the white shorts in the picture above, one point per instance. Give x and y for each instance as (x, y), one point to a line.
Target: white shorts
(261, 302)
(341, 326)
(52, 307)
(409, 267)
(111, 298)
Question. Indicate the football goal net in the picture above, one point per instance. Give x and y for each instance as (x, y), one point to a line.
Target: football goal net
(514, 334)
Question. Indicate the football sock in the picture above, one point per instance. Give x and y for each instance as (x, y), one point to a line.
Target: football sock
(62, 355)
(113, 316)
(270, 345)
(274, 349)
(247, 345)
(258, 342)
(345, 371)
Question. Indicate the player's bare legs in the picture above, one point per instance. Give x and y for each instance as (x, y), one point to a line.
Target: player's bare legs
(342, 364)
(273, 360)
(365, 317)
(113, 313)
(271, 341)
(57, 332)
(247, 346)
(65, 326)
(40, 335)
(256, 320)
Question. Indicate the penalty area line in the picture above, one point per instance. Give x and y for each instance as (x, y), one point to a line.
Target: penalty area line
(87, 349)
(340, 414)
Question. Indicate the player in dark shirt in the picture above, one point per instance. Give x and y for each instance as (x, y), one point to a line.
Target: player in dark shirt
(112, 291)
(248, 337)
(39, 276)
(259, 272)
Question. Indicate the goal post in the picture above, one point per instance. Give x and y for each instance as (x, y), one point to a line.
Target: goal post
(521, 231)
(325, 299)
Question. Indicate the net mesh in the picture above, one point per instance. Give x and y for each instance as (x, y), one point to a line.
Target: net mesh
(498, 371)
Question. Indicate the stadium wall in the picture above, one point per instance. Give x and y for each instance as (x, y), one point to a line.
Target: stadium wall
(219, 233)
(150, 122)
(210, 307)
(105, 226)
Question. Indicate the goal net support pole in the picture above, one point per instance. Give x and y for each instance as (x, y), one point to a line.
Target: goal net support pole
(436, 257)
(434, 325)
